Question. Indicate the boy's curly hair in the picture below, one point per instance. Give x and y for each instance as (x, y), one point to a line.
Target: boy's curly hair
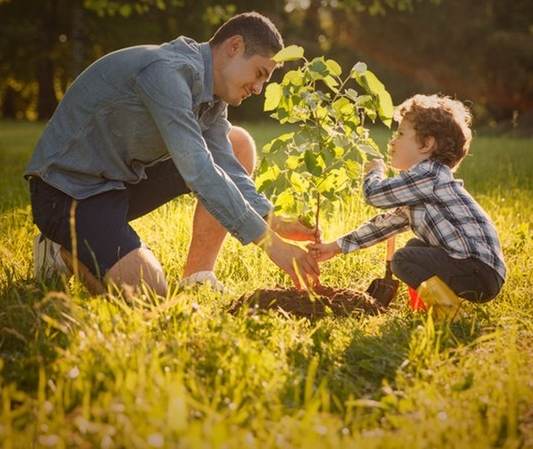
(447, 121)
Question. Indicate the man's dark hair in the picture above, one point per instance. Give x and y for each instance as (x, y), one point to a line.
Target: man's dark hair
(260, 35)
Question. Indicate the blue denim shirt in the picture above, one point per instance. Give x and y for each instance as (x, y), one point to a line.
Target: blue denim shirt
(140, 105)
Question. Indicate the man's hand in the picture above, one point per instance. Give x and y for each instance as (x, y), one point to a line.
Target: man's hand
(297, 263)
(375, 164)
(323, 251)
(293, 229)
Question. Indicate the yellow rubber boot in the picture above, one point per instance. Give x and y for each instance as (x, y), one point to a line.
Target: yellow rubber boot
(440, 297)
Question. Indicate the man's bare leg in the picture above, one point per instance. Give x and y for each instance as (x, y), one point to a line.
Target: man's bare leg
(207, 233)
(137, 267)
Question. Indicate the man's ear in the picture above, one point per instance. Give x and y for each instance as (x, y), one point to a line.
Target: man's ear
(234, 45)
(429, 145)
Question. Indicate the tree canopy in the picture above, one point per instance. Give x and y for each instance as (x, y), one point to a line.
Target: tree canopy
(481, 52)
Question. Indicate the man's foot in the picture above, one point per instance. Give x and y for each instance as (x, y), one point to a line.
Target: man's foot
(204, 277)
(47, 259)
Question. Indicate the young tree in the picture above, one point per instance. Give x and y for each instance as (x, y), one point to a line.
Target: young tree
(321, 158)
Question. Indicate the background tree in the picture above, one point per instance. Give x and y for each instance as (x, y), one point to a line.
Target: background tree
(478, 51)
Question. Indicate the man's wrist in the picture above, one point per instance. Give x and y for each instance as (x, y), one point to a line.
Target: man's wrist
(265, 240)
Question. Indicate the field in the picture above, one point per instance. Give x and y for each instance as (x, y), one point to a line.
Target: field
(79, 372)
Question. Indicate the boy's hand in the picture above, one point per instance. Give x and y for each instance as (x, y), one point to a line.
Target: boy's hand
(323, 251)
(293, 229)
(375, 164)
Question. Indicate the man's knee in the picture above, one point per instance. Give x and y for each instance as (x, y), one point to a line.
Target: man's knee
(243, 147)
(137, 267)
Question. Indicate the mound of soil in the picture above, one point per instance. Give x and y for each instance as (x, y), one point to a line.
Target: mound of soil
(299, 303)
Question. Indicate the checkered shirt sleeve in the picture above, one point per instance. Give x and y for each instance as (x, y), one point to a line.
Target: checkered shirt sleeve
(375, 230)
(410, 187)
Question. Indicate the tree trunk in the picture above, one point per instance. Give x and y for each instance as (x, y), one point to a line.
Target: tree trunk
(46, 99)
(9, 107)
(79, 40)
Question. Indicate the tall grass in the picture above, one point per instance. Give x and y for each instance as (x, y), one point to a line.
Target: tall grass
(82, 371)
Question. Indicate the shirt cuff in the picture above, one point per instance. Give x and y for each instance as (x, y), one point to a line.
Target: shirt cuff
(378, 172)
(249, 227)
(346, 247)
(262, 206)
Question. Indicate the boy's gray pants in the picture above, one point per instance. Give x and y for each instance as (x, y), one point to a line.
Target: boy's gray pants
(468, 278)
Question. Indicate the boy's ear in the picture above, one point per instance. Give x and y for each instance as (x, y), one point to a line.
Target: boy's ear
(429, 145)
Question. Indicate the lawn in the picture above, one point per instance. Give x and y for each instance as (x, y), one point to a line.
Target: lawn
(79, 372)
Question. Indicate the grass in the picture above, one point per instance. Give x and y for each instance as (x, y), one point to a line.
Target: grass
(82, 371)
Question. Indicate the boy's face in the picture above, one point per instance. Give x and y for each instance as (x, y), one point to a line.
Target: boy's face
(241, 75)
(405, 150)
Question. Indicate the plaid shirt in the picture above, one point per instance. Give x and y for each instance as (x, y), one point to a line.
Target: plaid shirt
(436, 207)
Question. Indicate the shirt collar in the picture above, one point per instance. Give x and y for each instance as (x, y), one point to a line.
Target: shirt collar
(207, 94)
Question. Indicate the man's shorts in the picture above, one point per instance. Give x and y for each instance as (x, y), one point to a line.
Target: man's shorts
(103, 234)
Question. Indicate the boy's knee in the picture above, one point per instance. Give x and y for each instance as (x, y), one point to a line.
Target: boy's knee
(243, 147)
(397, 262)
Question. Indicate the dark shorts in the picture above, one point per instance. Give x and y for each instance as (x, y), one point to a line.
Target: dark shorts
(102, 231)
(470, 278)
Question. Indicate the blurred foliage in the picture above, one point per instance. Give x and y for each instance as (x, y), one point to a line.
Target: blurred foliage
(478, 51)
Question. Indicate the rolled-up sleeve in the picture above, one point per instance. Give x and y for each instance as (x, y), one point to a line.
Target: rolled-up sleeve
(410, 187)
(217, 140)
(375, 230)
(166, 92)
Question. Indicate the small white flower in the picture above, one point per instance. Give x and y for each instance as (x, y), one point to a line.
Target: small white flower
(74, 372)
(359, 67)
(156, 440)
(48, 440)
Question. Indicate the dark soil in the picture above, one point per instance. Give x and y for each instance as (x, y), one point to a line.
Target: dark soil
(299, 303)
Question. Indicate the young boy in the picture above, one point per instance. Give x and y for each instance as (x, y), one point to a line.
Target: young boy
(457, 251)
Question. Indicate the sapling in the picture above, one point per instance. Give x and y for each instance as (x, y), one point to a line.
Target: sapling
(321, 157)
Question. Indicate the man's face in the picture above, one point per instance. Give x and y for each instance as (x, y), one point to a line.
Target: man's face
(243, 76)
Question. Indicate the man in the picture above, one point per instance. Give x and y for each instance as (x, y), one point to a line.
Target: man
(142, 126)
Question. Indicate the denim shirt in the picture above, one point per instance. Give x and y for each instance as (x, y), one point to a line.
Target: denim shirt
(140, 105)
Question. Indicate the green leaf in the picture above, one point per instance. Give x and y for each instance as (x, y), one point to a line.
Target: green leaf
(343, 106)
(277, 143)
(375, 87)
(386, 108)
(371, 83)
(267, 172)
(353, 168)
(351, 94)
(318, 69)
(298, 182)
(273, 94)
(327, 184)
(293, 162)
(312, 163)
(294, 77)
(334, 67)
(290, 53)
(364, 101)
(368, 149)
(331, 83)
(285, 201)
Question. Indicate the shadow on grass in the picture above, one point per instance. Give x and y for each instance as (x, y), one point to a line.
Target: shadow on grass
(371, 363)
(34, 322)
